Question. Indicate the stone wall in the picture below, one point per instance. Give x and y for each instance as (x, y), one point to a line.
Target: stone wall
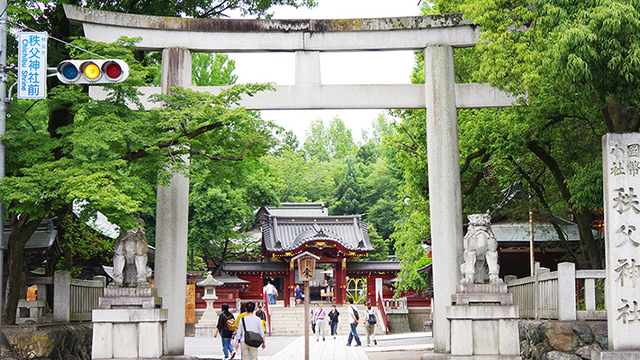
(555, 340)
(44, 342)
(417, 317)
(398, 322)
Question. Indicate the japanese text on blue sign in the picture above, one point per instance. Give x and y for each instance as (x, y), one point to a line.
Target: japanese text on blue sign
(32, 65)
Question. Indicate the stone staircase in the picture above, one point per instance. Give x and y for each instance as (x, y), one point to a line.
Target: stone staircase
(290, 321)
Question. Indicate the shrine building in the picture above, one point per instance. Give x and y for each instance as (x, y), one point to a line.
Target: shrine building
(340, 242)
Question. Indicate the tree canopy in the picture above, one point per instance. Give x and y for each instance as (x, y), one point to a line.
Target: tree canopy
(70, 147)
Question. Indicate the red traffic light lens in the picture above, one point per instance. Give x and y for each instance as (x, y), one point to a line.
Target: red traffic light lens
(113, 71)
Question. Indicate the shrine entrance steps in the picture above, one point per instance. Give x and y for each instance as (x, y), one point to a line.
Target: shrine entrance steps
(289, 321)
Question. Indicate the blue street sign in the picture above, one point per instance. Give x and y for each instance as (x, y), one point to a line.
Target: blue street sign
(32, 65)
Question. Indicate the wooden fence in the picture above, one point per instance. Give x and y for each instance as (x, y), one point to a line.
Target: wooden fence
(556, 295)
(74, 299)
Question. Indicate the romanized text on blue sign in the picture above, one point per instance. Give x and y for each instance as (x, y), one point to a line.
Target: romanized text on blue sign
(32, 65)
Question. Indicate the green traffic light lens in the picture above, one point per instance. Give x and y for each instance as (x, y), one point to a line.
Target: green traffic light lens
(70, 71)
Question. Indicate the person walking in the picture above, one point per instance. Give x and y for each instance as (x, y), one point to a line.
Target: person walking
(334, 315)
(371, 324)
(243, 313)
(251, 323)
(260, 313)
(226, 331)
(320, 314)
(354, 318)
(312, 321)
(272, 293)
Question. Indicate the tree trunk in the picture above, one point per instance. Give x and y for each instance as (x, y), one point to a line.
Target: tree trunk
(582, 218)
(64, 220)
(21, 231)
(620, 118)
(546, 210)
(594, 252)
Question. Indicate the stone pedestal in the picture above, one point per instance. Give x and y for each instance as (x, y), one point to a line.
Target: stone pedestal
(615, 355)
(483, 326)
(129, 324)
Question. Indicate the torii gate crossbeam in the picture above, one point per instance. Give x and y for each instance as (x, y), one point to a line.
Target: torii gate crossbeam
(437, 35)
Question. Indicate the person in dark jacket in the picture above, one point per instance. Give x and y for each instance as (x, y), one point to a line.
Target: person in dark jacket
(225, 332)
(334, 320)
(298, 294)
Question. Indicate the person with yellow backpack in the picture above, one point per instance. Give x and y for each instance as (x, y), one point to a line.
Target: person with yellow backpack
(226, 328)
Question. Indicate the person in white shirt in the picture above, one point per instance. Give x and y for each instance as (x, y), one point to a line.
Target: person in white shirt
(272, 293)
(250, 323)
(353, 323)
(370, 324)
(319, 314)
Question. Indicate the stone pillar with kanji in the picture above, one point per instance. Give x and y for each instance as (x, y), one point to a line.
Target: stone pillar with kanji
(621, 185)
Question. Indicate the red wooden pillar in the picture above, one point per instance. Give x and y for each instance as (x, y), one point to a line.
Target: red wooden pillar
(289, 284)
(337, 283)
(340, 288)
(371, 289)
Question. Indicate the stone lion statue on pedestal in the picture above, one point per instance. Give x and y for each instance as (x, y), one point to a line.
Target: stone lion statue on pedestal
(480, 252)
(130, 258)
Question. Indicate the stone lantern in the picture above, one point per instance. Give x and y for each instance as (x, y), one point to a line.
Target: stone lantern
(207, 324)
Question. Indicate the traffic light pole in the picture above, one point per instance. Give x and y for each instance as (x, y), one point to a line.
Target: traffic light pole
(4, 78)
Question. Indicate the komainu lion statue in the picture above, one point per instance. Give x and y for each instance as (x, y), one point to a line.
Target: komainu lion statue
(480, 252)
(130, 259)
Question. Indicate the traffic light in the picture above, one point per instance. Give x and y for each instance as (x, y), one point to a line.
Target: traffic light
(92, 71)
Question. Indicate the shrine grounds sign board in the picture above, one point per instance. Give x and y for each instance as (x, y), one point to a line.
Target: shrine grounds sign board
(306, 267)
(621, 172)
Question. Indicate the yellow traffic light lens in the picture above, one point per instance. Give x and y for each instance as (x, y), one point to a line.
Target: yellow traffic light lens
(91, 71)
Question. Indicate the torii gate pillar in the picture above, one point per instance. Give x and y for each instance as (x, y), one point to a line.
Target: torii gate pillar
(444, 179)
(172, 217)
(440, 96)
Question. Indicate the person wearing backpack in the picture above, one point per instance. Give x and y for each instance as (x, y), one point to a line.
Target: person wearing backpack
(354, 318)
(372, 322)
(250, 325)
(226, 328)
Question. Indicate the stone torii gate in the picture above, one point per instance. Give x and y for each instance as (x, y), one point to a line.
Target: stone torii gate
(437, 35)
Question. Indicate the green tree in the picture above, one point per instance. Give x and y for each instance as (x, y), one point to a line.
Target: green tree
(212, 70)
(316, 142)
(111, 156)
(221, 211)
(412, 231)
(196, 8)
(382, 215)
(381, 249)
(341, 144)
(100, 151)
(348, 193)
(291, 141)
(324, 143)
(299, 180)
(578, 64)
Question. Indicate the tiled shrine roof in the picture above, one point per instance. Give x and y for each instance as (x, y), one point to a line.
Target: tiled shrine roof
(287, 233)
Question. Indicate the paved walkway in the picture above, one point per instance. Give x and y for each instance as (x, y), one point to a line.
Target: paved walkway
(292, 348)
